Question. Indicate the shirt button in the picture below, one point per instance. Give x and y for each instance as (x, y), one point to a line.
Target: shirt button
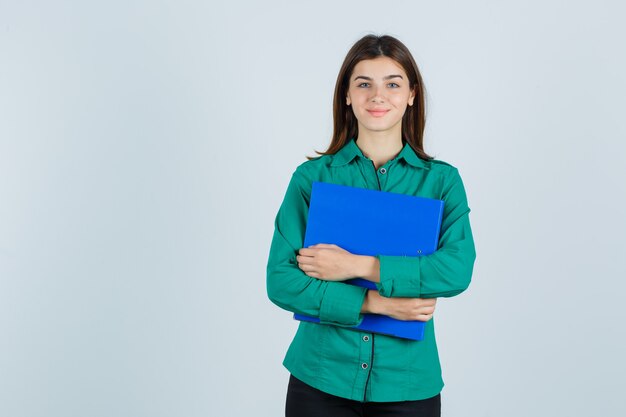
(366, 338)
(382, 171)
(364, 365)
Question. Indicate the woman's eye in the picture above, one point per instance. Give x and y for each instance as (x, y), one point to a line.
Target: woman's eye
(363, 85)
(393, 85)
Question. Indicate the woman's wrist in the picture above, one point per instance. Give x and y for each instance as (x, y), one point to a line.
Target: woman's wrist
(373, 303)
(367, 267)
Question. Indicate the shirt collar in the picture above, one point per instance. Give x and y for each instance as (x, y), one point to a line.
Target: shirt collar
(409, 155)
(347, 154)
(350, 151)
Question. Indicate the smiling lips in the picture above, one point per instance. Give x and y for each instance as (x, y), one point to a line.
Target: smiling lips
(378, 112)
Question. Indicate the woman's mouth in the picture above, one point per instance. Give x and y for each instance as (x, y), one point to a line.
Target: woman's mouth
(378, 113)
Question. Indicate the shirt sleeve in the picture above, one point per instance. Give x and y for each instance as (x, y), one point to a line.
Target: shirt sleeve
(448, 271)
(288, 286)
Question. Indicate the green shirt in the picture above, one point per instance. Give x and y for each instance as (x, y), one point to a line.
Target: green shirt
(349, 363)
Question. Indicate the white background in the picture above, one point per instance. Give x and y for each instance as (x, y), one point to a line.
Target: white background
(145, 147)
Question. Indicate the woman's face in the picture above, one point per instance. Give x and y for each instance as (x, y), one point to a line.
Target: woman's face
(379, 94)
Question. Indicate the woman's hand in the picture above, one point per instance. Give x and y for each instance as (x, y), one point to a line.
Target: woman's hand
(327, 262)
(420, 309)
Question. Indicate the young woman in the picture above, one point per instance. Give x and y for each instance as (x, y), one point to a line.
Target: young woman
(377, 144)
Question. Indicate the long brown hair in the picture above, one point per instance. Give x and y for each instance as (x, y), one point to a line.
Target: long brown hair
(414, 119)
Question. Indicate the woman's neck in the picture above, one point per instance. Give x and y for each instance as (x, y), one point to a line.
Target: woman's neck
(380, 147)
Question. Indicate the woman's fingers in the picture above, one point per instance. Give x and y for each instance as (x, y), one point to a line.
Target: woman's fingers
(307, 252)
(421, 309)
(306, 267)
(305, 263)
(304, 259)
(314, 249)
(329, 261)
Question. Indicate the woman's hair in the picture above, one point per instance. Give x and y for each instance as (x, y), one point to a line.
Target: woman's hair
(414, 119)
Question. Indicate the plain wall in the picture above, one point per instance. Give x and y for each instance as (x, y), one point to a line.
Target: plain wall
(145, 148)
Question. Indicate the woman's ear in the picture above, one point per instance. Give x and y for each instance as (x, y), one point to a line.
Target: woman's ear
(348, 102)
(411, 97)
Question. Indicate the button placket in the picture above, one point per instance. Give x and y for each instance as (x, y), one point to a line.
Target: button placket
(382, 174)
(372, 181)
(364, 364)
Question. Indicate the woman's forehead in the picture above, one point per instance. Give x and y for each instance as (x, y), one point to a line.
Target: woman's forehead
(378, 68)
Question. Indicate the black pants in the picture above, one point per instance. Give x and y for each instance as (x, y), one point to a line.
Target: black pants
(306, 401)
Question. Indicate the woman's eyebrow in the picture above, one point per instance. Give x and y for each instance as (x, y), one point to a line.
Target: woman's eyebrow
(388, 77)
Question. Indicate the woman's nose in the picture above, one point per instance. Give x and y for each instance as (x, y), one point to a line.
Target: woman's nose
(377, 95)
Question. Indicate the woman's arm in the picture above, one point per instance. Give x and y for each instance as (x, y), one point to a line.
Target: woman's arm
(420, 309)
(332, 263)
(447, 271)
(287, 285)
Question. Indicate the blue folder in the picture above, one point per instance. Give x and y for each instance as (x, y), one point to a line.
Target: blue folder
(371, 222)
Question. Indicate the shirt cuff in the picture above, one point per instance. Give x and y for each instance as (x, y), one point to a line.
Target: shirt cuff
(399, 276)
(342, 304)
